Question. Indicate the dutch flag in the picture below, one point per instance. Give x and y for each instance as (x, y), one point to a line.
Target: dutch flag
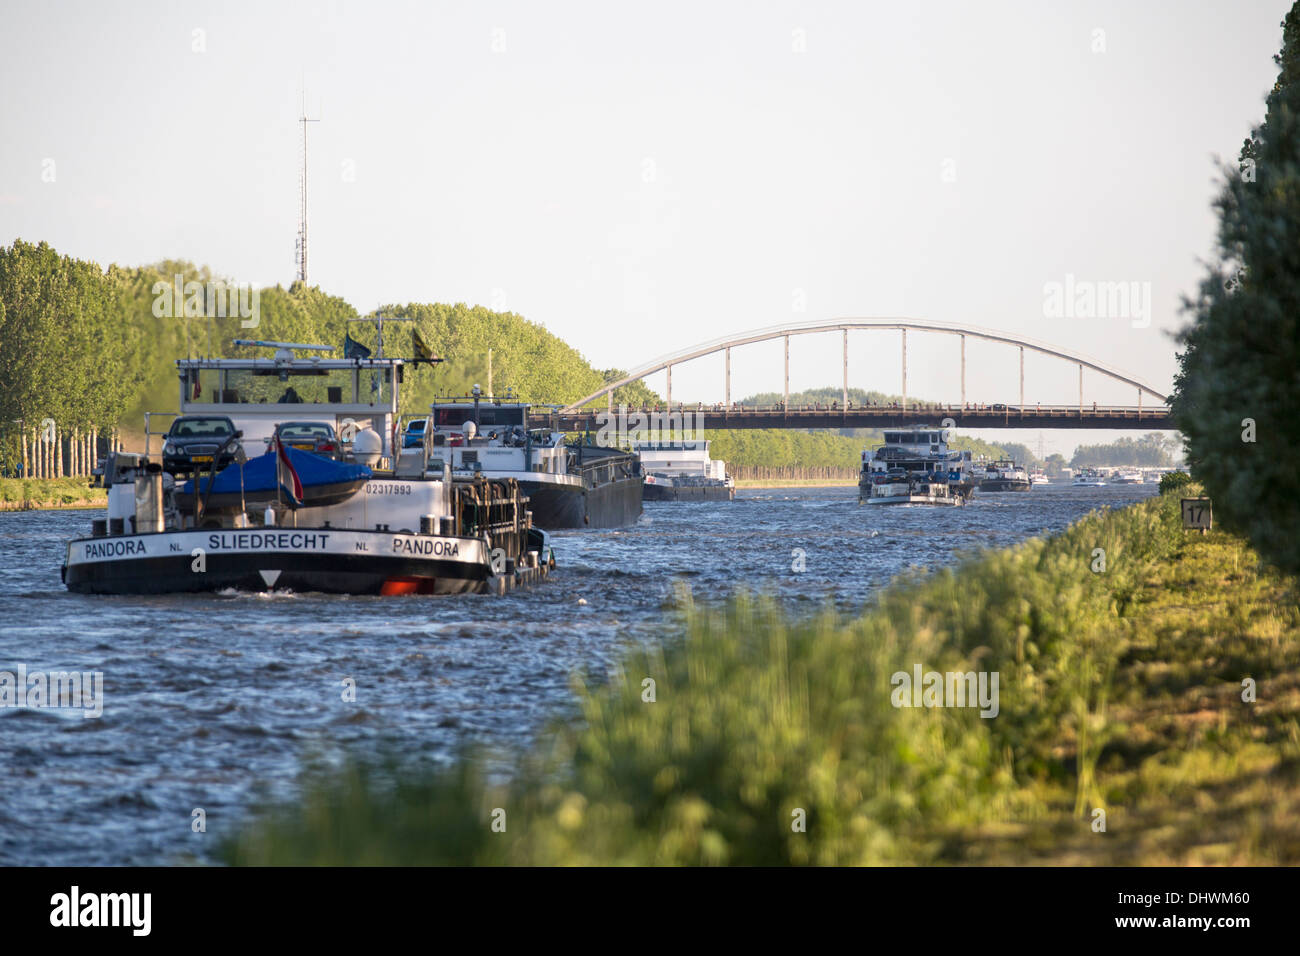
(290, 484)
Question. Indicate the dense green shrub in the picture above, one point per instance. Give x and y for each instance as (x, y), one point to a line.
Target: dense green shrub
(1237, 387)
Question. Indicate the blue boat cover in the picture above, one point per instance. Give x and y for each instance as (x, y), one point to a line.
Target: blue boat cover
(260, 473)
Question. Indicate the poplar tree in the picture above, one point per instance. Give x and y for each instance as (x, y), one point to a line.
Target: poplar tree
(1238, 388)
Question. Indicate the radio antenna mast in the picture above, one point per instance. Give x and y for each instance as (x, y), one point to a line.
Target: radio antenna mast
(302, 197)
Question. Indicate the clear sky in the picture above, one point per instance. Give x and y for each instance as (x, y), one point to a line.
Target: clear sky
(641, 177)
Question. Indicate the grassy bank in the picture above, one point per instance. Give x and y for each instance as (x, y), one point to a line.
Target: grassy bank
(24, 494)
(1120, 690)
(796, 483)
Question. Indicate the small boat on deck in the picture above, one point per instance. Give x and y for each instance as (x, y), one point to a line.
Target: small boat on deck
(261, 481)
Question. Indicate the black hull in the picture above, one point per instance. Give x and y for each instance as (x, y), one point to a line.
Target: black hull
(326, 560)
(326, 573)
(615, 504)
(1004, 485)
(688, 493)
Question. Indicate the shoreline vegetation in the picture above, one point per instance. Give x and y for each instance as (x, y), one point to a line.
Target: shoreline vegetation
(758, 484)
(49, 494)
(771, 740)
(130, 329)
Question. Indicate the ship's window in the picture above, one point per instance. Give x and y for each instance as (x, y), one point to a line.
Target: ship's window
(489, 416)
(317, 386)
(452, 416)
(203, 385)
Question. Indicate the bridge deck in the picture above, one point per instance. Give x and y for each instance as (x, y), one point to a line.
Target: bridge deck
(1155, 418)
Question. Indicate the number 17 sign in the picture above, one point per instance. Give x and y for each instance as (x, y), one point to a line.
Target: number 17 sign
(1197, 513)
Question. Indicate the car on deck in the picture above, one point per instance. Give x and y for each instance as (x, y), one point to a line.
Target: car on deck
(318, 438)
(194, 441)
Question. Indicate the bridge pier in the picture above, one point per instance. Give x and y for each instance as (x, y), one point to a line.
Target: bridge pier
(1080, 391)
(1022, 380)
(963, 372)
(904, 369)
(670, 388)
(844, 394)
(728, 390)
(787, 371)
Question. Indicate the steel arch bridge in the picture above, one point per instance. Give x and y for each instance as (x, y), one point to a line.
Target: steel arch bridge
(1056, 416)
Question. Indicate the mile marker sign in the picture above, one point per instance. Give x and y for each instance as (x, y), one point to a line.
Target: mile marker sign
(1197, 513)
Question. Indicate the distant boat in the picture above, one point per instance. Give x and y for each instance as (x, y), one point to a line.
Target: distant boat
(1039, 477)
(683, 471)
(915, 467)
(1005, 475)
(1129, 477)
(1088, 478)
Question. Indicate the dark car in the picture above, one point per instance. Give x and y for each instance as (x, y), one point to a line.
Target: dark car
(195, 440)
(316, 437)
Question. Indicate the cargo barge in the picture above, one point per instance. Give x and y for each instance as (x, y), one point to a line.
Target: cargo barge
(569, 483)
(364, 517)
(915, 467)
(683, 471)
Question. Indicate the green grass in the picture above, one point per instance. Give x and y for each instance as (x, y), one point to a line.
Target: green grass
(27, 493)
(796, 483)
(1119, 690)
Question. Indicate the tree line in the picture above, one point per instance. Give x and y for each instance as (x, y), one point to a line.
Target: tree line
(1152, 450)
(85, 350)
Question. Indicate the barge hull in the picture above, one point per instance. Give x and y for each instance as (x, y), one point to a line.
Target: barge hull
(915, 500)
(326, 560)
(1004, 485)
(657, 492)
(614, 504)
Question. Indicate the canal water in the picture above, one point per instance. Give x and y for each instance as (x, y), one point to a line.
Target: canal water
(214, 701)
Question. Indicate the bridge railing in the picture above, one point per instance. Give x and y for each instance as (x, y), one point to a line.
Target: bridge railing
(854, 415)
(911, 408)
